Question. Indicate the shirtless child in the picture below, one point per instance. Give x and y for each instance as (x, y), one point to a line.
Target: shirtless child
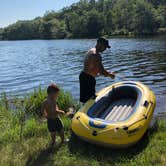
(92, 67)
(51, 111)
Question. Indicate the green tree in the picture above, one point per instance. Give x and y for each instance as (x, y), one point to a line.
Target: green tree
(161, 16)
(92, 3)
(109, 26)
(144, 19)
(74, 22)
(94, 24)
(1, 33)
(49, 15)
(57, 29)
(123, 15)
(92, 18)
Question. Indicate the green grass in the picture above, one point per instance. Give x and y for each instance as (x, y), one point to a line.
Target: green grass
(24, 140)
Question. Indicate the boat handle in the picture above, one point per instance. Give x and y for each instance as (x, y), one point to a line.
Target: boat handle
(127, 127)
(78, 118)
(148, 105)
(124, 127)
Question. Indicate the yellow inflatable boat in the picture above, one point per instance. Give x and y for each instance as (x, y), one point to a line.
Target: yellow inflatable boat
(118, 117)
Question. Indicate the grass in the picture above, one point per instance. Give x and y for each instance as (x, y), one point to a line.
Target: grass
(24, 140)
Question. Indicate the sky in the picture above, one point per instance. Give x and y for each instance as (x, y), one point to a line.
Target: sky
(13, 10)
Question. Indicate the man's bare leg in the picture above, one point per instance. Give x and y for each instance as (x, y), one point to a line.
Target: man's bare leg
(53, 137)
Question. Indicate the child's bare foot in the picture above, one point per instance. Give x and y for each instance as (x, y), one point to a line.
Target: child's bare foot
(64, 141)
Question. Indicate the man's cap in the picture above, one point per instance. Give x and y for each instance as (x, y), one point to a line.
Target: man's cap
(104, 41)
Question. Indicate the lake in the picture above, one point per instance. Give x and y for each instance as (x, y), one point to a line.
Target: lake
(25, 65)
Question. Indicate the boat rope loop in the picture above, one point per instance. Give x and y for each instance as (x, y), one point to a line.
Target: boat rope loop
(84, 125)
(148, 106)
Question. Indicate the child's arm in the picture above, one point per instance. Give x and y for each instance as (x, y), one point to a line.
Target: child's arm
(58, 110)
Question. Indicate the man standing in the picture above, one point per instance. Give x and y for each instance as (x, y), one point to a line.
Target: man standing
(92, 67)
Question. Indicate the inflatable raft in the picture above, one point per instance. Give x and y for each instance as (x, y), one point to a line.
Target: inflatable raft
(118, 117)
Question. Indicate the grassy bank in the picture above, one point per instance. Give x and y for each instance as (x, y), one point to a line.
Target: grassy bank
(24, 140)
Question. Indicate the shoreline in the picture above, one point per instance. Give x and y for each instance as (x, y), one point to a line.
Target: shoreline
(163, 35)
(12, 104)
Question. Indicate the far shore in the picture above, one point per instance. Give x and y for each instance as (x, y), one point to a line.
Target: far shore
(159, 35)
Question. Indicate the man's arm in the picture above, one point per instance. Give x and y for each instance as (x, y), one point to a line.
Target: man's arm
(43, 110)
(102, 71)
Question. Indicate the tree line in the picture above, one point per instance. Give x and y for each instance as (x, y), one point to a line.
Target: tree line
(93, 18)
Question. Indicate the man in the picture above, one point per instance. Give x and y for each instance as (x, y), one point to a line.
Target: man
(92, 67)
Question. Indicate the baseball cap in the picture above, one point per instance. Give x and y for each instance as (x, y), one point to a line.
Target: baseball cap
(104, 41)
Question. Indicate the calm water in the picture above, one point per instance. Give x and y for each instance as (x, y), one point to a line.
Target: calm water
(24, 65)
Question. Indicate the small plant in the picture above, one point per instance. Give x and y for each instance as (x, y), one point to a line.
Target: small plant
(34, 100)
(4, 101)
(21, 115)
(65, 100)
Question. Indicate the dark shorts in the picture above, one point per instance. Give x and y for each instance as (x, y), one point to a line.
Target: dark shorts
(54, 125)
(87, 87)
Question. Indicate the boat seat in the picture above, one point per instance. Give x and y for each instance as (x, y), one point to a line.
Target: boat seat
(116, 106)
(119, 110)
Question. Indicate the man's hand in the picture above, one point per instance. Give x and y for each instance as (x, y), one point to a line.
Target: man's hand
(112, 75)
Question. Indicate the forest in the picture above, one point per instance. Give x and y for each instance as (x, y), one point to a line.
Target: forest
(93, 18)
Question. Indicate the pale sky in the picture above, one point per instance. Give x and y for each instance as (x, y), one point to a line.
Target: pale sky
(13, 10)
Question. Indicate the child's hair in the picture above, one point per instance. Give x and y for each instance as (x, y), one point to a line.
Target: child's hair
(53, 88)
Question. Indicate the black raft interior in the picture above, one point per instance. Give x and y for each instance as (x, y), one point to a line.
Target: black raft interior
(117, 105)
